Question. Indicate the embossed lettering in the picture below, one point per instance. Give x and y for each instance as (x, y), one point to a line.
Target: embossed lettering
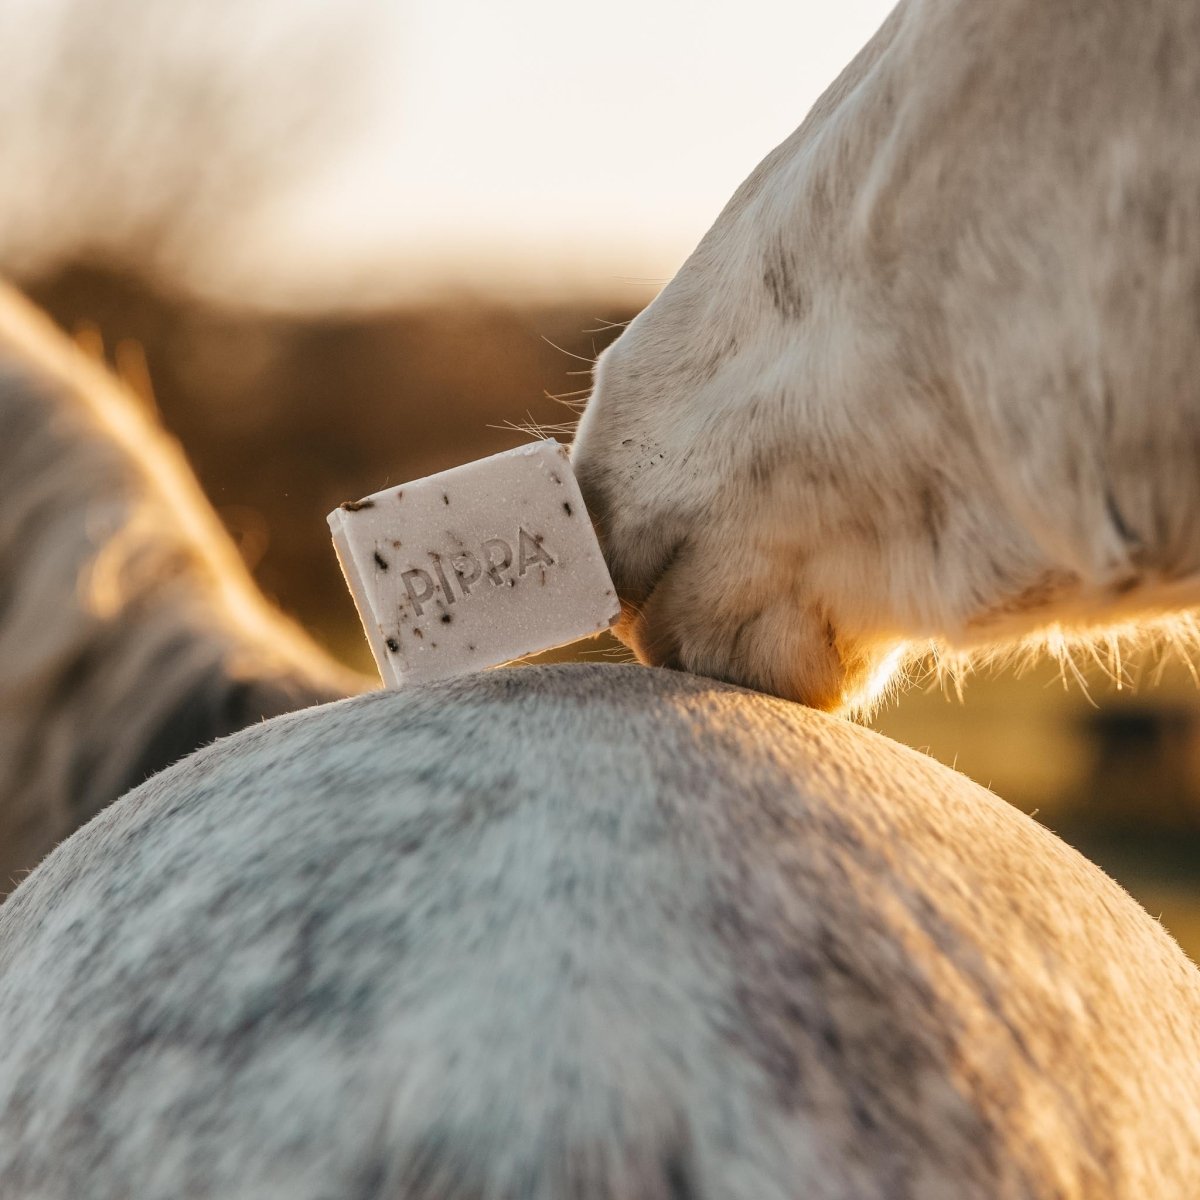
(495, 548)
(437, 566)
(494, 560)
(468, 569)
(417, 598)
(530, 551)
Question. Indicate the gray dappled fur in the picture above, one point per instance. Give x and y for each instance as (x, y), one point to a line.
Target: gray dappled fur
(585, 932)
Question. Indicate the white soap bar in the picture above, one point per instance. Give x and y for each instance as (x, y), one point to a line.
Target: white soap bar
(475, 566)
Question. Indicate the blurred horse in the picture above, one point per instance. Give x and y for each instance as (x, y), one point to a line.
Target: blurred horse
(130, 632)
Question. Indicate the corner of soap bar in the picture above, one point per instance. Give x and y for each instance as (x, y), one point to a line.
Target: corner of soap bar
(475, 566)
(359, 591)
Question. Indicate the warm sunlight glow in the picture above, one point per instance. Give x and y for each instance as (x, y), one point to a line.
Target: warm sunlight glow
(536, 146)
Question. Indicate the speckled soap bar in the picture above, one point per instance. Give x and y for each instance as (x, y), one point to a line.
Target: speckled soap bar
(473, 567)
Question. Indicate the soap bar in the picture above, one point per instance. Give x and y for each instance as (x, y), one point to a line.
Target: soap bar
(474, 566)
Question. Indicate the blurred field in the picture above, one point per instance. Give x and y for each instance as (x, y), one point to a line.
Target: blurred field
(285, 416)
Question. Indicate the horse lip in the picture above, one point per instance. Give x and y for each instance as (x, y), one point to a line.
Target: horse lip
(657, 649)
(640, 595)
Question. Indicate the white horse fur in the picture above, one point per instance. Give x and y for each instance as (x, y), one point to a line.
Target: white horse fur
(934, 374)
(585, 933)
(611, 933)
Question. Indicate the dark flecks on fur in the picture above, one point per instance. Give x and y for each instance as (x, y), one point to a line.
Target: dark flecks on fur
(737, 651)
(933, 514)
(1048, 587)
(1127, 534)
(216, 706)
(679, 1176)
(781, 279)
(380, 561)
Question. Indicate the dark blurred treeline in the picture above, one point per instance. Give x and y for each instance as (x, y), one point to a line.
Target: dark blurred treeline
(285, 416)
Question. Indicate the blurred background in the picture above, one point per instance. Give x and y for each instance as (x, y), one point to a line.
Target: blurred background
(345, 245)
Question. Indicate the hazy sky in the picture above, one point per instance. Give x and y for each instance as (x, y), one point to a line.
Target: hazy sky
(367, 148)
(536, 143)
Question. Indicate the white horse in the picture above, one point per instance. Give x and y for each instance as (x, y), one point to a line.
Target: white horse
(598, 933)
(934, 374)
(612, 933)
